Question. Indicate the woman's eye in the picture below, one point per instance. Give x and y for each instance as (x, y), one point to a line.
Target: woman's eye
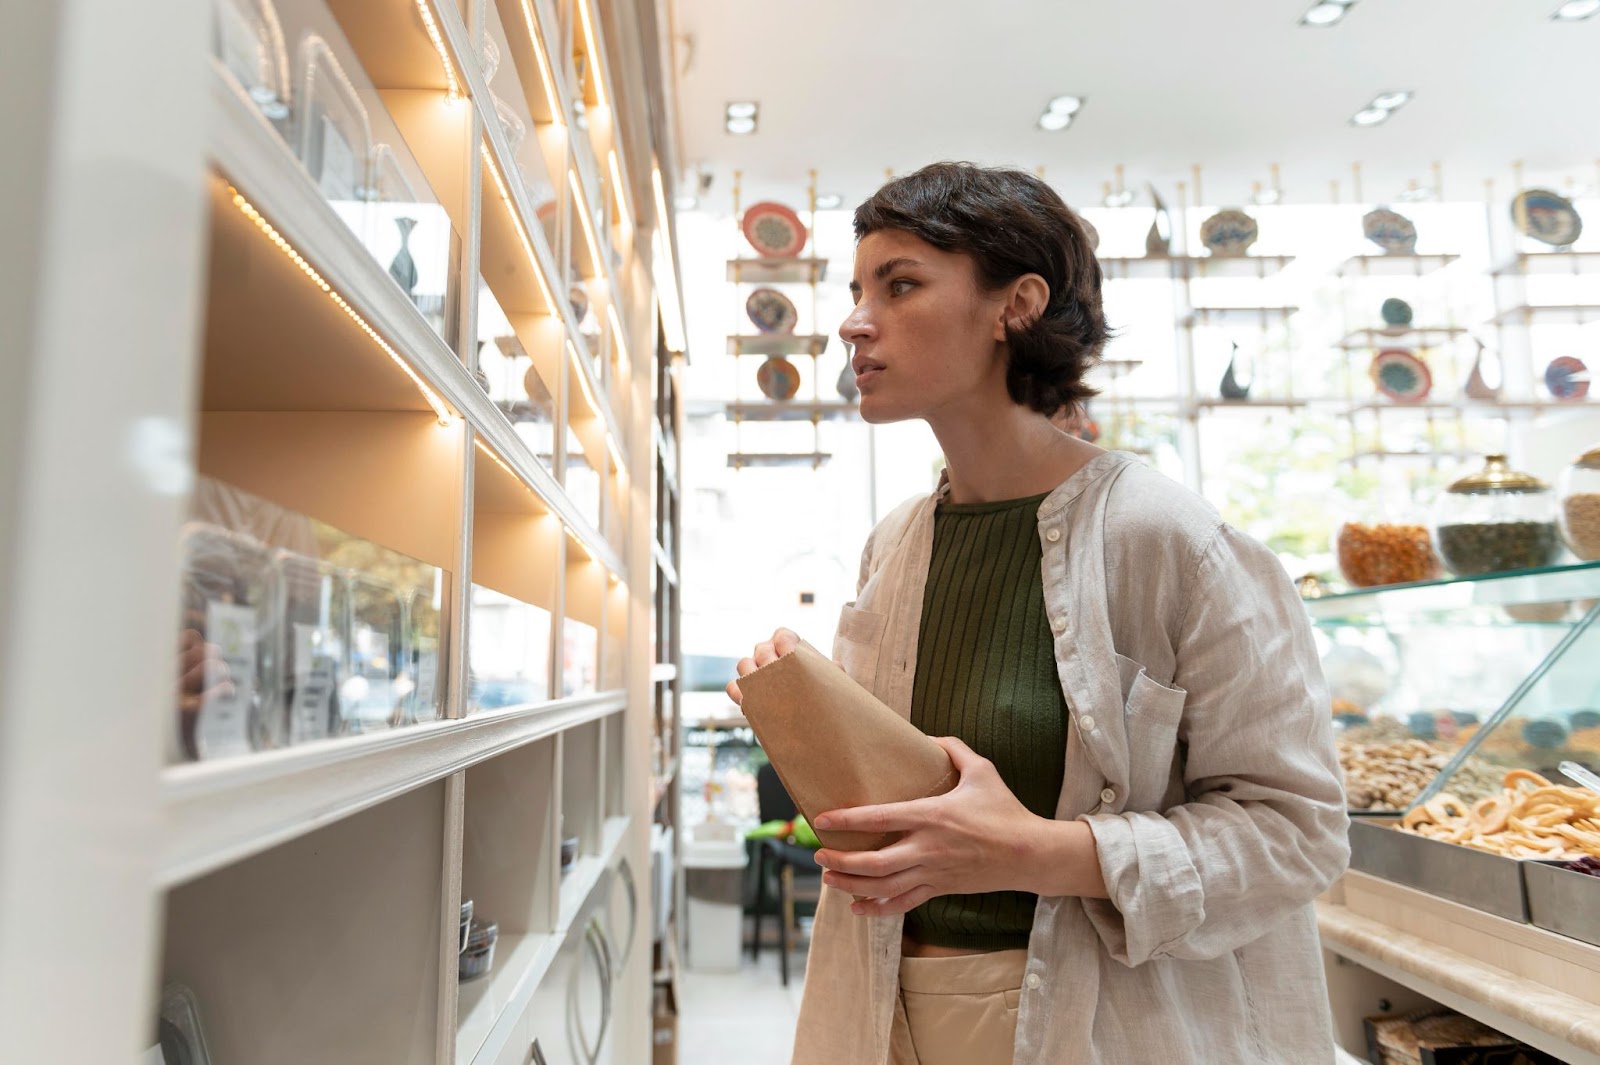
(901, 287)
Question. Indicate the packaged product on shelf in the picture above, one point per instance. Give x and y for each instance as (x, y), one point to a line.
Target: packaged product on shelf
(375, 691)
(248, 38)
(315, 605)
(1496, 519)
(180, 1039)
(1385, 553)
(478, 957)
(228, 638)
(1434, 1035)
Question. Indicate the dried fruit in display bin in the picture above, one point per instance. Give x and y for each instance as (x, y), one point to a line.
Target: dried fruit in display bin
(1382, 553)
(1580, 521)
(1390, 775)
(1530, 818)
(1586, 865)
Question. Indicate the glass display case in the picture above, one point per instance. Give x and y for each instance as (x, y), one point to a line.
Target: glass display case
(1448, 685)
(509, 652)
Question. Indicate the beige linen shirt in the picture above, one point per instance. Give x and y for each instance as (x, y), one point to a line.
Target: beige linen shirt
(1199, 752)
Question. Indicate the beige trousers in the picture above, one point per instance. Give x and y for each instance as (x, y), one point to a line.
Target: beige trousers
(957, 1011)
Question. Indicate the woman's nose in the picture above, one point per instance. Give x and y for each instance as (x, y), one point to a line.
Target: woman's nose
(857, 326)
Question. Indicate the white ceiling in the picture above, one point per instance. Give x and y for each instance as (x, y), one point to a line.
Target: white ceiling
(852, 87)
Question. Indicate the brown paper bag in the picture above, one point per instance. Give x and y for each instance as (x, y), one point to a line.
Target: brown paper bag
(834, 745)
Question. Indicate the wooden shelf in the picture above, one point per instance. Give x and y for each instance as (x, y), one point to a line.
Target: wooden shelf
(1533, 985)
(1192, 267)
(1376, 339)
(1547, 262)
(1217, 316)
(1549, 314)
(1425, 456)
(1393, 265)
(219, 812)
(775, 459)
(788, 410)
(1465, 406)
(777, 271)
(778, 344)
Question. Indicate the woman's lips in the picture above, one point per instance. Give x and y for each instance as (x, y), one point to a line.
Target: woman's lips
(866, 369)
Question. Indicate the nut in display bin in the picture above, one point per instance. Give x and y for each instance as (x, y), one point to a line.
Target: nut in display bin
(1494, 520)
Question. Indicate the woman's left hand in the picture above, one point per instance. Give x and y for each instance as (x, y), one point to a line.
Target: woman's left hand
(975, 838)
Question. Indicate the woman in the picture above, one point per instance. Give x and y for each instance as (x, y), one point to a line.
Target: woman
(1149, 797)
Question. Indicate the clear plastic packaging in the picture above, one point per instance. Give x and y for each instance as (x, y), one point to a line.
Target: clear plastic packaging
(180, 1038)
(375, 688)
(248, 38)
(228, 697)
(335, 133)
(316, 618)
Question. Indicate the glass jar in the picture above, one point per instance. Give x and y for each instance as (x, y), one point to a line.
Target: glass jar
(1494, 520)
(1389, 545)
(1580, 505)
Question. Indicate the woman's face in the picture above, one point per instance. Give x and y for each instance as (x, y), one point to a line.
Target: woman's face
(926, 339)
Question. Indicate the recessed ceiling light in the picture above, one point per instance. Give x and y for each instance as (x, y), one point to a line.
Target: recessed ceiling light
(1326, 13)
(685, 202)
(741, 126)
(1118, 199)
(830, 201)
(1267, 197)
(1369, 116)
(1052, 120)
(1576, 10)
(1388, 101)
(1069, 105)
(743, 109)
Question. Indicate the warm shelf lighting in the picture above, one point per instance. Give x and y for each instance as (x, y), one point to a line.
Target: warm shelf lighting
(1388, 101)
(431, 24)
(666, 281)
(596, 60)
(1065, 105)
(1053, 121)
(583, 379)
(588, 223)
(248, 209)
(624, 200)
(546, 77)
(616, 333)
(522, 234)
(1382, 106)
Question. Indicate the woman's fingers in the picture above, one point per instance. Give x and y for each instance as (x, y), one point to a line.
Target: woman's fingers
(784, 641)
(765, 654)
(734, 693)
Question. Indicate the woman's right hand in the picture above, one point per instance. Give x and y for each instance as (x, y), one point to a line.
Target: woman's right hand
(783, 641)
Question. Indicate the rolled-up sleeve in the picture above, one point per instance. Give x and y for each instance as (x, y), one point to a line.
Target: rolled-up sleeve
(1265, 829)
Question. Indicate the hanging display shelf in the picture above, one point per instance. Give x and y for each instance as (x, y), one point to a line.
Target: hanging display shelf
(777, 271)
(1393, 265)
(1374, 338)
(778, 344)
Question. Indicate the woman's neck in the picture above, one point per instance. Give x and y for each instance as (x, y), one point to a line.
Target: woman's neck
(999, 450)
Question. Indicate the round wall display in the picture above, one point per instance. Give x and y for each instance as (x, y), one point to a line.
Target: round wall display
(774, 230)
(1390, 230)
(778, 378)
(771, 311)
(1401, 376)
(1396, 314)
(1567, 377)
(1229, 232)
(1546, 216)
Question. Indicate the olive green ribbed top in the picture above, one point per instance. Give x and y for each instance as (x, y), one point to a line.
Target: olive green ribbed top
(986, 674)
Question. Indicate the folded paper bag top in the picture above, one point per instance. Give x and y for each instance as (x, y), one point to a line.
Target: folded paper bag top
(835, 746)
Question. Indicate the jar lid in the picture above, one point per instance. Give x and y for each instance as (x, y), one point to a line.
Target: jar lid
(1497, 476)
(483, 933)
(1589, 460)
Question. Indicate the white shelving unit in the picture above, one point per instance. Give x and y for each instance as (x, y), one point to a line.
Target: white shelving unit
(268, 336)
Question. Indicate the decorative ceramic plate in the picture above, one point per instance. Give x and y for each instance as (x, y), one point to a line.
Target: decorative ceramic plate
(1396, 313)
(578, 300)
(1229, 232)
(778, 378)
(1401, 376)
(1390, 230)
(771, 311)
(774, 231)
(1546, 216)
(1567, 378)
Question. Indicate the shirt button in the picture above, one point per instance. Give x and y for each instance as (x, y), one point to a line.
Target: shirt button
(1086, 723)
(1053, 535)
(1059, 625)
(1033, 981)
(1108, 796)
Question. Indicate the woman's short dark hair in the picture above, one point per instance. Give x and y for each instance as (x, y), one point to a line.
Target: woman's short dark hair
(1011, 224)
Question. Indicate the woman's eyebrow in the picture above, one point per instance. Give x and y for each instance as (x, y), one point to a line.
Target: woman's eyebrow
(884, 269)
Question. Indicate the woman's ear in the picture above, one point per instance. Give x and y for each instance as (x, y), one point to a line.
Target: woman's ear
(1026, 299)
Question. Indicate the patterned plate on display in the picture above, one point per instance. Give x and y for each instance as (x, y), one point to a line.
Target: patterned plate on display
(1229, 232)
(1390, 230)
(778, 378)
(1401, 376)
(1567, 378)
(1546, 216)
(771, 311)
(774, 231)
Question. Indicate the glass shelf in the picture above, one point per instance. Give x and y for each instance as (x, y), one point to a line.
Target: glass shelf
(1511, 588)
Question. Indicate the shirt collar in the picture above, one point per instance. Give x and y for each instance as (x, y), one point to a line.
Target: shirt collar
(1067, 490)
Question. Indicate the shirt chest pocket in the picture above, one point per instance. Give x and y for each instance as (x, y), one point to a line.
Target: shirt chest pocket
(1151, 714)
(857, 643)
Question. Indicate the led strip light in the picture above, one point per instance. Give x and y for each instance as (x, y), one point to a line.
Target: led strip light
(431, 24)
(595, 58)
(539, 53)
(494, 457)
(522, 234)
(248, 209)
(588, 223)
(623, 199)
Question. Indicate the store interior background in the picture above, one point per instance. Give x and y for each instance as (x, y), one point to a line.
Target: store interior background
(1251, 109)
